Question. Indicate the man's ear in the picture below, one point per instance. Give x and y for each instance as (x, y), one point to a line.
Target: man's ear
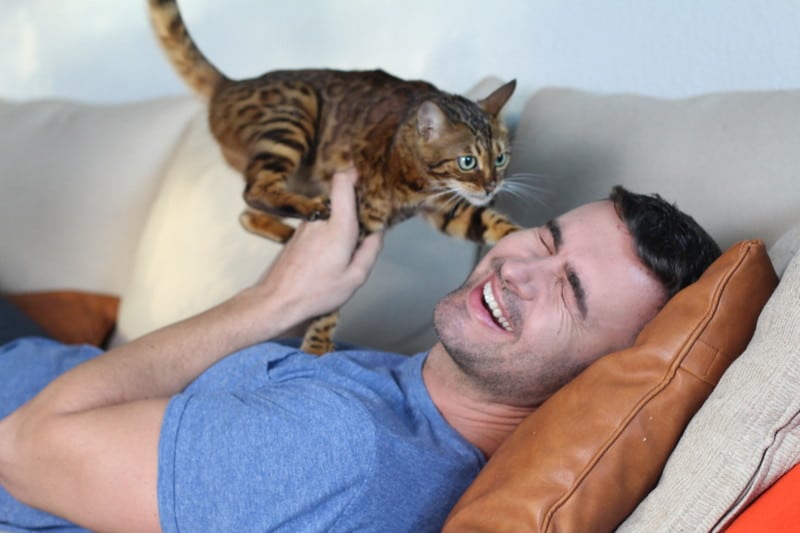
(493, 103)
(431, 121)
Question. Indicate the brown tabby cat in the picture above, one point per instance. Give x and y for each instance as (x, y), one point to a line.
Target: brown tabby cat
(417, 149)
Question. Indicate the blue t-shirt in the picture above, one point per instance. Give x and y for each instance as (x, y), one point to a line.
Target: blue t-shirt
(273, 439)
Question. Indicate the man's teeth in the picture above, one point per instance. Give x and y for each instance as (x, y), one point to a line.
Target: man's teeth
(491, 303)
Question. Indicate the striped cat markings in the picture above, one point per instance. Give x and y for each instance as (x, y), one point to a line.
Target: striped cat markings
(418, 150)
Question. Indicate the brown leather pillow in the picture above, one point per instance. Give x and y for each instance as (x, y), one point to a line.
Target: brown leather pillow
(72, 317)
(592, 452)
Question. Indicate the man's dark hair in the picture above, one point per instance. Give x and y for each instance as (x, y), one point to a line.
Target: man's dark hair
(668, 241)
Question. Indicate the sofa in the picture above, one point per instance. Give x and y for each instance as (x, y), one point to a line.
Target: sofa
(118, 219)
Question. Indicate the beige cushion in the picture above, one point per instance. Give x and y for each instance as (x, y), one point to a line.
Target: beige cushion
(746, 435)
(77, 182)
(590, 453)
(729, 159)
(784, 250)
(193, 253)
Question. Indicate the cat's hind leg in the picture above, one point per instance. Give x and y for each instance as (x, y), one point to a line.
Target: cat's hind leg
(278, 143)
(267, 190)
(266, 225)
(318, 339)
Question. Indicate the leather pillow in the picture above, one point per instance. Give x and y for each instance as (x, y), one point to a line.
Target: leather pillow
(72, 317)
(591, 452)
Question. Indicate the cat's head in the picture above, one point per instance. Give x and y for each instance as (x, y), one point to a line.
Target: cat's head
(463, 146)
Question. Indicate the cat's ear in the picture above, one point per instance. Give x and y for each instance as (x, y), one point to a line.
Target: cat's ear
(431, 121)
(493, 103)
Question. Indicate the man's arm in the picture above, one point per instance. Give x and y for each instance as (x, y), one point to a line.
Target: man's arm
(86, 447)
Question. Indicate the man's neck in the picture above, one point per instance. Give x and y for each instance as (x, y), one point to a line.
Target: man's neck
(483, 423)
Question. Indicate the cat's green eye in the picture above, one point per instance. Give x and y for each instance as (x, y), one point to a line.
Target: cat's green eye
(501, 160)
(467, 162)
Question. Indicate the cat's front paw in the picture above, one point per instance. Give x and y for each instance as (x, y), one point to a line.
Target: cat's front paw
(320, 209)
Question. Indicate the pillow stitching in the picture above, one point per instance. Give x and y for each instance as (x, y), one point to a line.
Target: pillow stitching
(717, 352)
(715, 300)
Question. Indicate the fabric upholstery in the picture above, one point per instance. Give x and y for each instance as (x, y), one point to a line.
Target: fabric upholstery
(590, 453)
(71, 317)
(748, 432)
(77, 182)
(784, 249)
(729, 159)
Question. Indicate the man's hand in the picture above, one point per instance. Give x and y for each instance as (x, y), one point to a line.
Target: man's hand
(85, 448)
(323, 264)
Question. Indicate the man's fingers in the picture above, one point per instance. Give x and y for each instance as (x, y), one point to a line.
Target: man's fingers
(343, 198)
(365, 255)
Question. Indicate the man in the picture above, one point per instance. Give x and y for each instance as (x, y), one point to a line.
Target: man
(171, 432)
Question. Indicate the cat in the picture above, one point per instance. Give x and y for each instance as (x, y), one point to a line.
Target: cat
(417, 150)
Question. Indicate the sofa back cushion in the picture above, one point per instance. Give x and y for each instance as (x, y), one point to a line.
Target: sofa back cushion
(728, 159)
(586, 457)
(77, 182)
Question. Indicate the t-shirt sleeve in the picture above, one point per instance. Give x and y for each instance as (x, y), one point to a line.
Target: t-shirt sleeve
(289, 458)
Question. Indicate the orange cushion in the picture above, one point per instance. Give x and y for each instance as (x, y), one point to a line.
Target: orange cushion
(589, 454)
(775, 510)
(72, 317)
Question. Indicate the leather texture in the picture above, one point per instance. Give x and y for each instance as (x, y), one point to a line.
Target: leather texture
(591, 453)
(72, 317)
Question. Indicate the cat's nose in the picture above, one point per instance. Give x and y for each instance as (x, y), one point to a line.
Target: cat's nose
(490, 186)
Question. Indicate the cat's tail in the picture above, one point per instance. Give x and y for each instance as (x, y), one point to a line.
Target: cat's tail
(188, 60)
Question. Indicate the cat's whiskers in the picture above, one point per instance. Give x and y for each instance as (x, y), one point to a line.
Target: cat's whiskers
(537, 175)
(523, 182)
(438, 187)
(455, 190)
(520, 188)
(443, 191)
(450, 197)
(454, 199)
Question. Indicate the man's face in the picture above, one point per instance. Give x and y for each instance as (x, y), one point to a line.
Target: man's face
(546, 302)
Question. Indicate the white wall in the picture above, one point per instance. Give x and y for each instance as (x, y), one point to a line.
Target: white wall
(102, 50)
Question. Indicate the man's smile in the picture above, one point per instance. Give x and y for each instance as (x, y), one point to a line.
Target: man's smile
(491, 304)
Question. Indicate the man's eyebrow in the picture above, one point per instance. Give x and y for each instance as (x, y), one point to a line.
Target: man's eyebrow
(577, 289)
(555, 232)
(572, 277)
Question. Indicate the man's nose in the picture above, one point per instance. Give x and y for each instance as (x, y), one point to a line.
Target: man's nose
(529, 277)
